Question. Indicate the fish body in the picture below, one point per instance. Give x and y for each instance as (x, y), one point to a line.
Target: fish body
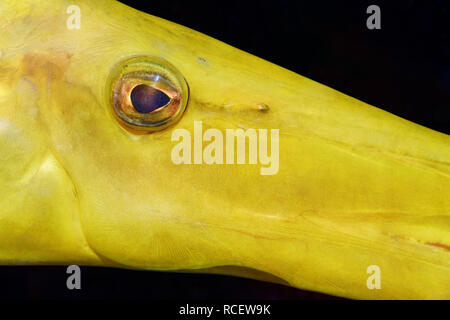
(354, 186)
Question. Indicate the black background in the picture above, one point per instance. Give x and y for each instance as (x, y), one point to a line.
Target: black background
(403, 68)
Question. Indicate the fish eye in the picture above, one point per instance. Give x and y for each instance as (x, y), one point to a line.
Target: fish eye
(148, 93)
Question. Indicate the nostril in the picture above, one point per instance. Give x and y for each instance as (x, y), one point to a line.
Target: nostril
(146, 99)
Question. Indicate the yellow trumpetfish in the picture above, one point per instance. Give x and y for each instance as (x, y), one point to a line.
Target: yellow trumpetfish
(88, 120)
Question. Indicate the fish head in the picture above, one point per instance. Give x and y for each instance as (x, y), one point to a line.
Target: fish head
(115, 151)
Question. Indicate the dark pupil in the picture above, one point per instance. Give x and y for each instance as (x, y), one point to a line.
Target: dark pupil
(145, 99)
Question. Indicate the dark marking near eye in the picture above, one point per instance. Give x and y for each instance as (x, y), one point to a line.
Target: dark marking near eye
(203, 61)
(146, 99)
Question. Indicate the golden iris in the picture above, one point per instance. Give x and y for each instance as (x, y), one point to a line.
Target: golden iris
(148, 93)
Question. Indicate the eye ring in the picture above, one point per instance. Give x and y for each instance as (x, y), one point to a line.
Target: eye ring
(147, 93)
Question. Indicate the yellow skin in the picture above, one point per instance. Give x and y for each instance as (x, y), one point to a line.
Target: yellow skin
(356, 186)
